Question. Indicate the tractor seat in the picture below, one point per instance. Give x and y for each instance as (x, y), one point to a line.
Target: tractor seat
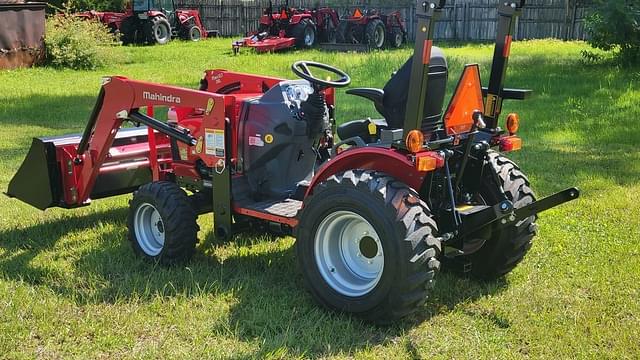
(391, 102)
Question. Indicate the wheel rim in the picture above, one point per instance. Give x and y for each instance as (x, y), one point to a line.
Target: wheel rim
(161, 33)
(309, 36)
(349, 253)
(195, 34)
(379, 36)
(398, 40)
(149, 229)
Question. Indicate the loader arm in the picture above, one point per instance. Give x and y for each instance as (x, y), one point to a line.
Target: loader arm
(119, 101)
(106, 160)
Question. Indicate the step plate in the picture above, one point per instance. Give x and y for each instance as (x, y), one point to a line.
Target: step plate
(288, 208)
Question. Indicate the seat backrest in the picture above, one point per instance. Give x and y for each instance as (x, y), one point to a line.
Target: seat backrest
(396, 92)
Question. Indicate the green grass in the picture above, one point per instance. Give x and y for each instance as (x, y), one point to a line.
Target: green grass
(71, 287)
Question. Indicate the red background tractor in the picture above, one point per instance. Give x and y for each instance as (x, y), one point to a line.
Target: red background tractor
(373, 29)
(152, 22)
(287, 27)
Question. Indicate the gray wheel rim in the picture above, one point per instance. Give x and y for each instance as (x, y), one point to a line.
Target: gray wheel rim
(162, 33)
(309, 36)
(149, 229)
(348, 253)
(195, 34)
(399, 38)
(379, 36)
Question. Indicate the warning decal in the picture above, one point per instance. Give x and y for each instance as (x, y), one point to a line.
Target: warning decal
(214, 140)
(490, 107)
(256, 141)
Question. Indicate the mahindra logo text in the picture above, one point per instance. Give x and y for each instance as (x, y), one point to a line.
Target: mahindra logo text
(161, 97)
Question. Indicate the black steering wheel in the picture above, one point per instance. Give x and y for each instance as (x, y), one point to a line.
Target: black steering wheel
(301, 68)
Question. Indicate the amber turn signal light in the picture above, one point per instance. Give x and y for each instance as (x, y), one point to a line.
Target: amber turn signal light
(513, 123)
(415, 141)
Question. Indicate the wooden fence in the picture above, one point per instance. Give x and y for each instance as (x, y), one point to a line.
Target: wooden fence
(462, 20)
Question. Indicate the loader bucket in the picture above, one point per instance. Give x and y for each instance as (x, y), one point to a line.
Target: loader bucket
(47, 177)
(36, 182)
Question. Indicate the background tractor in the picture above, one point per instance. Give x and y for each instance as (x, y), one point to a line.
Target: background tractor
(157, 21)
(375, 215)
(373, 29)
(288, 27)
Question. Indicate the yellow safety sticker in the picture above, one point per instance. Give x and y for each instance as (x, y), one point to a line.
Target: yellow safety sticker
(210, 105)
(373, 129)
(199, 145)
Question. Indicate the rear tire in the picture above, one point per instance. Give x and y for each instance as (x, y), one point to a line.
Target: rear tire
(305, 34)
(162, 223)
(344, 34)
(329, 33)
(158, 30)
(366, 245)
(507, 247)
(128, 31)
(375, 34)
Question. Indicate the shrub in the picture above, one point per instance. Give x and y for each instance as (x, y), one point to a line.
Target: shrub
(75, 43)
(615, 25)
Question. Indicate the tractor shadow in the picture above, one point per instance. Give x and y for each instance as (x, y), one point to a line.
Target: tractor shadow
(270, 305)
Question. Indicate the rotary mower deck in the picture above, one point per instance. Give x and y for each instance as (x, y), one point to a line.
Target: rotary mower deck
(375, 214)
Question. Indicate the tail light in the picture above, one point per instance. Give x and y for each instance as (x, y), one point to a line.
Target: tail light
(510, 143)
(428, 161)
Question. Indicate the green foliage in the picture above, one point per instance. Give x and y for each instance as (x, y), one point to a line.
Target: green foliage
(75, 43)
(98, 5)
(615, 25)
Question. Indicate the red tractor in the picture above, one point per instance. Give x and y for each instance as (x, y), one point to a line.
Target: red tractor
(373, 29)
(375, 214)
(291, 27)
(157, 21)
(152, 22)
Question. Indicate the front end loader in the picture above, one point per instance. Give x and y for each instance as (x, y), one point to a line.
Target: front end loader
(375, 214)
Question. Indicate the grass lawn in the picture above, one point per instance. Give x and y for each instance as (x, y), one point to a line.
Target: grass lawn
(71, 287)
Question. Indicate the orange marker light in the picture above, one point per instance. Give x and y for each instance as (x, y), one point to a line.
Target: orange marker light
(513, 123)
(426, 163)
(414, 141)
(511, 143)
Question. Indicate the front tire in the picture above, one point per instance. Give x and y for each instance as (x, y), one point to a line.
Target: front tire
(396, 38)
(506, 247)
(366, 244)
(162, 223)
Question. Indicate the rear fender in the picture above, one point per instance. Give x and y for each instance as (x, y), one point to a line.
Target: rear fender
(389, 161)
(155, 13)
(295, 19)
